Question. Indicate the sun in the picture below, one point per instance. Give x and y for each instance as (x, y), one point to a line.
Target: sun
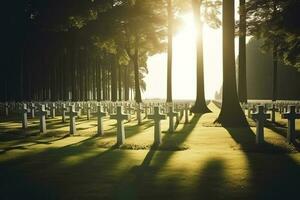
(184, 64)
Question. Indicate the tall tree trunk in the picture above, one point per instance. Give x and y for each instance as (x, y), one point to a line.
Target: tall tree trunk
(114, 92)
(200, 104)
(231, 114)
(275, 60)
(104, 82)
(99, 85)
(126, 84)
(120, 82)
(138, 97)
(170, 51)
(242, 78)
(275, 66)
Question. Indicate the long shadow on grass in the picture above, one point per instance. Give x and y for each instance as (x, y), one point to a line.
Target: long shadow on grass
(145, 175)
(273, 174)
(74, 171)
(170, 142)
(282, 130)
(211, 181)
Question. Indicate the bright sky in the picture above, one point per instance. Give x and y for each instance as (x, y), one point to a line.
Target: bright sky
(184, 64)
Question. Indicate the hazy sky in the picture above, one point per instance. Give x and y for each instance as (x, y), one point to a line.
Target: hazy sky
(184, 64)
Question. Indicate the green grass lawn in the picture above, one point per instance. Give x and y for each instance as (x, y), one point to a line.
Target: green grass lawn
(198, 161)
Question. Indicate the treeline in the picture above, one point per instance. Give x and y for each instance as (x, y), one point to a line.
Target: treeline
(83, 50)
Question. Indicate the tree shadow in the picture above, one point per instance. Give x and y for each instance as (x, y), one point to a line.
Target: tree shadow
(160, 155)
(282, 131)
(51, 174)
(211, 181)
(273, 174)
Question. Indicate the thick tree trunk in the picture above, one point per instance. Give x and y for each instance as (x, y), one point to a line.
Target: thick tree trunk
(242, 78)
(231, 114)
(200, 104)
(170, 51)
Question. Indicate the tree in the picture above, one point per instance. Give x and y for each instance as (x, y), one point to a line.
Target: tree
(200, 104)
(170, 51)
(204, 11)
(242, 78)
(231, 114)
(275, 23)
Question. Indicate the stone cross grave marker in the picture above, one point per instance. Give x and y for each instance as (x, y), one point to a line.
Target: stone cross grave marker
(52, 110)
(101, 114)
(120, 117)
(24, 112)
(88, 110)
(186, 113)
(171, 114)
(32, 110)
(72, 114)
(79, 108)
(157, 117)
(273, 115)
(42, 114)
(260, 117)
(63, 112)
(291, 116)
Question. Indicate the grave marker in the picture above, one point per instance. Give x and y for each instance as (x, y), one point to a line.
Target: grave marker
(171, 114)
(260, 117)
(72, 114)
(291, 116)
(63, 112)
(42, 114)
(157, 117)
(101, 114)
(24, 111)
(120, 117)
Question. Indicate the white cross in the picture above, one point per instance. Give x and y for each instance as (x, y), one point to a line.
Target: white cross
(260, 117)
(157, 117)
(63, 112)
(171, 114)
(88, 111)
(32, 110)
(24, 111)
(101, 114)
(42, 114)
(291, 116)
(73, 114)
(120, 117)
(52, 110)
(79, 107)
(273, 110)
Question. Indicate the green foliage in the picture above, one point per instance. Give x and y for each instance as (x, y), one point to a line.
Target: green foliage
(276, 24)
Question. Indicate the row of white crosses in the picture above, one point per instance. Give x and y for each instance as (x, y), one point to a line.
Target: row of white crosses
(260, 116)
(116, 112)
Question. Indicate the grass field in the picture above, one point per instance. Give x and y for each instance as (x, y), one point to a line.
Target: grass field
(198, 161)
